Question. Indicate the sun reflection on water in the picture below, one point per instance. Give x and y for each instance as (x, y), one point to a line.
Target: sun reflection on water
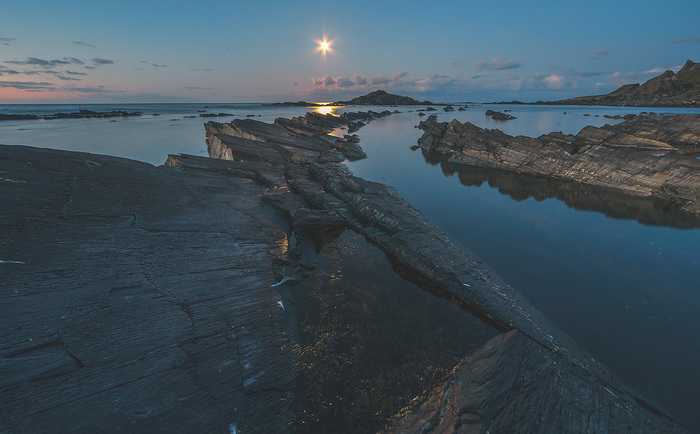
(326, 108)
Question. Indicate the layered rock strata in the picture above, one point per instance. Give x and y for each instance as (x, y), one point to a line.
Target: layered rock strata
(643, 156)
(151, 299)
(549, 381)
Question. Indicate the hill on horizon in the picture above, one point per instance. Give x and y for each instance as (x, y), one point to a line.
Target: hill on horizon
(681, 89)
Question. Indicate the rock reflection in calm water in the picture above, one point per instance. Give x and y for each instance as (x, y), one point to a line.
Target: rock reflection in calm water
(370, 340)
(645, 210)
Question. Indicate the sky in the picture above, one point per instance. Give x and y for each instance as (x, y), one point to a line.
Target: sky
(265, 51)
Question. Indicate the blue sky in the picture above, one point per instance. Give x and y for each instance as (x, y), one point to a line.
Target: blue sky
(263, 51)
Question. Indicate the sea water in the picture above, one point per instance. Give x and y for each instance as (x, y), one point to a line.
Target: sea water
(626, 287)
(621, 278)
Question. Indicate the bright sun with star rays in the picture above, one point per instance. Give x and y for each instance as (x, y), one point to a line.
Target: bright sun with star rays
(324, 45)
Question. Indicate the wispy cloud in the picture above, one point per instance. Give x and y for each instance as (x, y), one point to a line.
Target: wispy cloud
(5, 71)
(656, 70)
(89, 89)
(83, 44)
(580, 72)
(101, 61)
(495, 65)
(40, 62)
(156, 65)
(7, 41)
(687, 39)
(602, 52)
(201, 70)
(455, 64)
(31, 86)
(197, 88)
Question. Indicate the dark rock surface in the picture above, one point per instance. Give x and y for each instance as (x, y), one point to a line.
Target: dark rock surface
(642, 156)
(141, 299)
(214, 115)
(681, 89)
(157, 299)
(380, 97)
(499, 116)
(295, 104)
(515, 385)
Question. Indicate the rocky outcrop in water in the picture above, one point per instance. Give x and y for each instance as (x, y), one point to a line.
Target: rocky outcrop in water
(643, 156)
(81, 114)
(499, 116)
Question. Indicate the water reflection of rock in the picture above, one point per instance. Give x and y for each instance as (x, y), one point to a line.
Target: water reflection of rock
(643, 156)
(612, 203)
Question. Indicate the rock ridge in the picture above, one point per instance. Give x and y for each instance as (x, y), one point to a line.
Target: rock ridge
(326, 192)
(642, 156)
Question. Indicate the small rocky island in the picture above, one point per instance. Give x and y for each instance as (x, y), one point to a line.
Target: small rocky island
(378, 97)
(160, 298)
(643, 156)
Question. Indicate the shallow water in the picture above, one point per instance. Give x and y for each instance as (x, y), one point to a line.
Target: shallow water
(371, 341)
(162, 129)
(625, 287)
(626, 291)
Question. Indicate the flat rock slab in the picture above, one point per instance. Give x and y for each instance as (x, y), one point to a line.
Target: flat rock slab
(137, 297)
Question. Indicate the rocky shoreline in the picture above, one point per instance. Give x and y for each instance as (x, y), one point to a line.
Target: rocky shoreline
(80, 114)
(654, 157)
(165, 305)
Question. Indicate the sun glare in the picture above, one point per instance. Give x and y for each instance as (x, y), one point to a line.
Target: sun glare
(324, 46)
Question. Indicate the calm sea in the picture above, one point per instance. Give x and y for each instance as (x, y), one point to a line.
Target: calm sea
(619, 275)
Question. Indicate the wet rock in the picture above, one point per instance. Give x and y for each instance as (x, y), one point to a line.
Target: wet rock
(511, 382)
(499, 116)
(610, 156)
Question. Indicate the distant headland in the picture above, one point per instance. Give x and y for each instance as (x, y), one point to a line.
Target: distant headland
(378, 97)
(681, 89)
